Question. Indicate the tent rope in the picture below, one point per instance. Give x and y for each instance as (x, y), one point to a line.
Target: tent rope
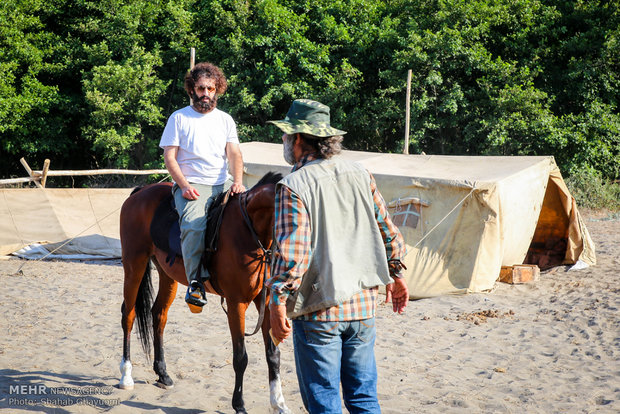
(19, 271)
(441, 221)
(92, 209)
(96, 223)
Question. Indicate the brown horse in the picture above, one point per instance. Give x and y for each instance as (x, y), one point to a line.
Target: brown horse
(237, 274)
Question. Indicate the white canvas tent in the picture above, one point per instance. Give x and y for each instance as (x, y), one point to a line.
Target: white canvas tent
(464, 217)
(77, 222)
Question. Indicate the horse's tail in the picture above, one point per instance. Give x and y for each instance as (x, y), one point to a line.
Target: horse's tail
(144, 303)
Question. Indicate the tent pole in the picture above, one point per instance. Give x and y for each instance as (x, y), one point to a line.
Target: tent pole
(192, 60)
(407, 113)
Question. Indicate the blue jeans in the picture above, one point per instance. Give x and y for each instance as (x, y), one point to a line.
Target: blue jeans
(330, 353)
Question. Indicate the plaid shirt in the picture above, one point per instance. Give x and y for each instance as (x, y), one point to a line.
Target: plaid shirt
(293, 235)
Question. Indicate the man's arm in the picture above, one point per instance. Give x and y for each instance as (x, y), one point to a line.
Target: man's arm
(235, 162)
(170, 159)
(292, 229)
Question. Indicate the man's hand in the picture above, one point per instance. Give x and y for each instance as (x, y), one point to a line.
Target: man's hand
(237, 188)
(190, 193)
(280, 326)
(398, 294)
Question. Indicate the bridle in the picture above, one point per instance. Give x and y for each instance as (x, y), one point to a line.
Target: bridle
(265, 260)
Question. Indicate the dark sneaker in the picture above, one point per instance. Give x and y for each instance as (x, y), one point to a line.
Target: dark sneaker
(195, 295)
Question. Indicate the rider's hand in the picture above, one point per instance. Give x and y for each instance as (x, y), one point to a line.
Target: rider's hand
(190, 193)
(237, 188)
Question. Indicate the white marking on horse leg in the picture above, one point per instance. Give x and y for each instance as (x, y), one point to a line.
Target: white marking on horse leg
(278, 406)
(126, 382)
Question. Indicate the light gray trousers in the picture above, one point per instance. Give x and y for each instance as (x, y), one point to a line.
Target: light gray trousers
(193, 222)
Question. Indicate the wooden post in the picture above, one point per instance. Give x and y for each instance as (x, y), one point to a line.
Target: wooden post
(407, 112)
(192, 61)
(46, 167)
(30, 173)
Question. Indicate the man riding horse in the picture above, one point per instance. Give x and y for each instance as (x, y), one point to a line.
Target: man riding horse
(200, 143)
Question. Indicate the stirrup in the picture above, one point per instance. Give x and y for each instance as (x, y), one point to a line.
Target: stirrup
(195, 297)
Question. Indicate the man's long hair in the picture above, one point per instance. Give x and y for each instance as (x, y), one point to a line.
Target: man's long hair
(324, 147)
(209, 71)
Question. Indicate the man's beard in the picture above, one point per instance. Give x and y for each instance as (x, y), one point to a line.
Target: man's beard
(287, 150)
(205, 104)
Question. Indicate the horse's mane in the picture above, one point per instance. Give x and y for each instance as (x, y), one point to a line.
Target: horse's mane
(135, 190)
(216, 206)
(269, 178)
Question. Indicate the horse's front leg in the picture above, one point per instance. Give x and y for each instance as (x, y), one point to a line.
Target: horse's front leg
(236, 323)
(272, 354)
(165, 297)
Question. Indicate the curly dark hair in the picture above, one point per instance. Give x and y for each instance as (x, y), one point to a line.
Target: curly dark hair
(209, 71)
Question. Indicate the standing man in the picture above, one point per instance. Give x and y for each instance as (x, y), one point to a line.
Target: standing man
(337, 245)
(200, 145)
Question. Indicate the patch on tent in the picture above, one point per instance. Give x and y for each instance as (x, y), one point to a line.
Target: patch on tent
(407, 211)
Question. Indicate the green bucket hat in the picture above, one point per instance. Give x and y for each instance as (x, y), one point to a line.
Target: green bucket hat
(307, 117)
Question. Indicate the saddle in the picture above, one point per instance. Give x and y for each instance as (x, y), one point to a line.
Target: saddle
(166, 231)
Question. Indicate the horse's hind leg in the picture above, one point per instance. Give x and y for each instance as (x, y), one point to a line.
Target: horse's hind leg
(236, 323)
(272, 353)
(127, 319)
(135, 269)
(165, 297)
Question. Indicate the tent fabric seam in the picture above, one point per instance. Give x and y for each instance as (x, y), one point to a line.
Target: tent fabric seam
(13, 219)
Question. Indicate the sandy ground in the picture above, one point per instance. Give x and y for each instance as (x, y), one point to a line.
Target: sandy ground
(552, 346)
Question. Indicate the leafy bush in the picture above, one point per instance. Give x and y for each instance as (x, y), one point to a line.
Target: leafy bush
(591, 191)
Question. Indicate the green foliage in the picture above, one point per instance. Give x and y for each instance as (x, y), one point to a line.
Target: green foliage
(30, 105)
(592, 191)
(123, 98)
(90, 83)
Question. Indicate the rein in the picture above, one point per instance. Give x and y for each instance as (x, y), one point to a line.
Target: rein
(265, 261)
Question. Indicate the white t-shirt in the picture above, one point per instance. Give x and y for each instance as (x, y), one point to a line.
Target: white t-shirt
(201, 139)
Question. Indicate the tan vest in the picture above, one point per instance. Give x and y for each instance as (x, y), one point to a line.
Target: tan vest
(348, 252)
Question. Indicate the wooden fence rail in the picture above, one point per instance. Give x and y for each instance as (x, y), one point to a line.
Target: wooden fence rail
(40, 177)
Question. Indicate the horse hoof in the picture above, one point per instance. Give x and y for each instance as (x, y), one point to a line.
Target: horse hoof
(164, 386)
(126, 382)
(166, 382)
(280, 410)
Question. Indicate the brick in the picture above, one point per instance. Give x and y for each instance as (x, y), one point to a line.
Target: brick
(521, 273)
